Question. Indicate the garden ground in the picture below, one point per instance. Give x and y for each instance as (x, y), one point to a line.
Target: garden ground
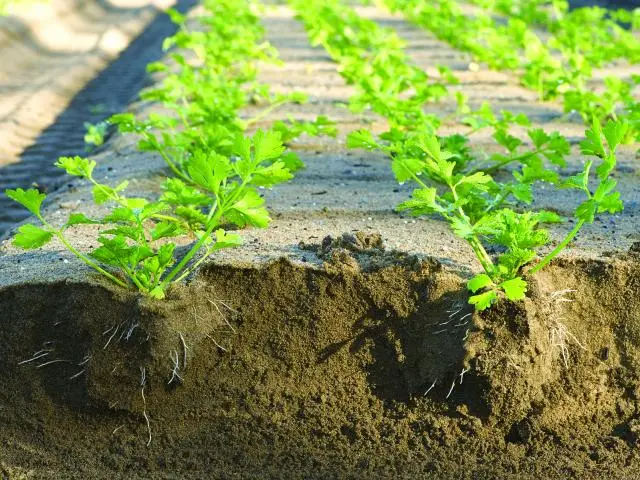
(335, 343)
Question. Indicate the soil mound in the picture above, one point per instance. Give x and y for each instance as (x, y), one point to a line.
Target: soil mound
(371, 366)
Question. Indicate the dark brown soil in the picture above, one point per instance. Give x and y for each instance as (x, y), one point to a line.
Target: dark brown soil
(295, 371)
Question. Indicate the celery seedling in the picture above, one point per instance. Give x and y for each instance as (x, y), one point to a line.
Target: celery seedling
(482, 210)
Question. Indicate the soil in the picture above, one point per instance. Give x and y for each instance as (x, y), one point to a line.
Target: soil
(338, 343)
(371, 366)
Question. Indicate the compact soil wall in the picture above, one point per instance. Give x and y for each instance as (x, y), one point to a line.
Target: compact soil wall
(369, 366)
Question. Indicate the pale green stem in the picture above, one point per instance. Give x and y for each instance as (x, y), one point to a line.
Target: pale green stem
(188, 271)
(83, 257)
(178, 268)
(481, 253)
(133, 277)
(173, 167)
(561, 246)
(265, 112)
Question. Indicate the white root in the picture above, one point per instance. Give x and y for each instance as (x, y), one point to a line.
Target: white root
(143, 382)
(52, 362)
(462, 318)
(430, 388)
(112, 336)
(184, 349)
(77, 374)
(85, 360)
(453, 384)
(560, 336)
(131, 329)
(176, 368)
(36, 356)
(216, 343)
(146, 417)
(222, 315)
(464, 370)
(559, 295)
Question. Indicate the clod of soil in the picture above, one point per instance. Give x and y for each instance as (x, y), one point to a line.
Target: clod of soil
(372, 366)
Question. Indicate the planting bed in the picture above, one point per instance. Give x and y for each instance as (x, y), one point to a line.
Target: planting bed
(337, 343)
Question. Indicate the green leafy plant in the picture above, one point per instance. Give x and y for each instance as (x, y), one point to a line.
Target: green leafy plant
(555, 67)
(210, 76)
(135, 247)
(95, 133)
(486, 212)
(373, 59)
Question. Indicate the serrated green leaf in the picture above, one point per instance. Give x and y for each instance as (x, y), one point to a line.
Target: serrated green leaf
(586, 211)
(545, 216)
(151, 209)
(209, 170)
(478, 178)
(134, 232)
(176, 192)
(271, 175)
(112, 250)
(136, 203)
(165, 229)
(30, 199)
(362, 139)
(191, 215)
(605, 187)
(267, 146)
(539, 137)
(479, 282)
(611, 203)
(30, 237)
(515, 289)
(120, 214)
(593, 145)
(535, 171)
(102, 194)
(165, 255)
(249, 210)
(483, 300)
(138, 253)
(522, 192)
(80, 218)
(405, 168)
(509, 142)
(430, 145)
(292, 161)
(76, 166)
(615, 132)
(226, 240)
(423, 201)
(462, 228)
